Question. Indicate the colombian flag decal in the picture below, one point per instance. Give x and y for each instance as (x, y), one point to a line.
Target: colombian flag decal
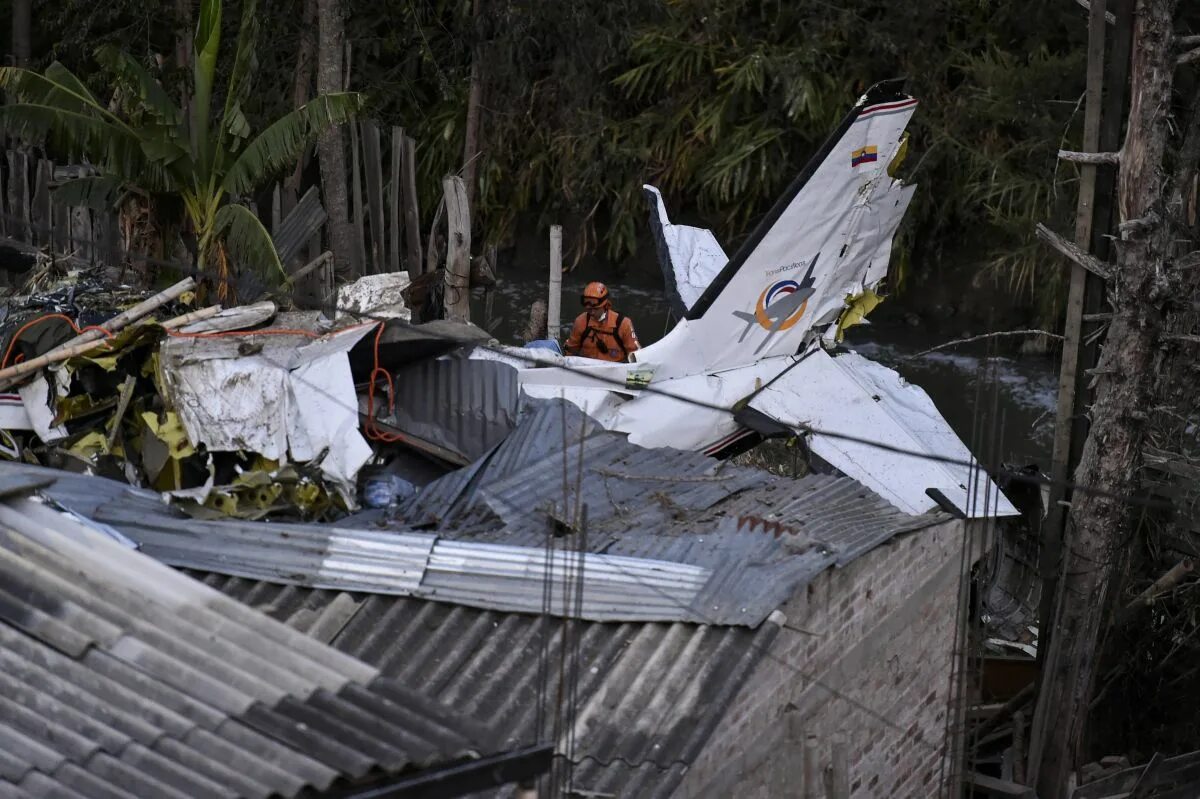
(864, 155)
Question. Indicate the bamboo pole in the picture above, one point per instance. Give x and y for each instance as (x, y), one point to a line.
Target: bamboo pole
(554, 307)
(194, 316)
(84, 341)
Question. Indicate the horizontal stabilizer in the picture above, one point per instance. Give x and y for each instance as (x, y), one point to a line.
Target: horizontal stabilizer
(882, 431)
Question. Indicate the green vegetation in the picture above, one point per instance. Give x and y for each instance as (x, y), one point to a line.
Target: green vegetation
(146, 144)
(719, 102)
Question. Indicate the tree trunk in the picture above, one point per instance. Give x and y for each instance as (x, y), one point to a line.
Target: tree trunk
(22, 32)
(1101, 520)
(458, 250)
(301, 93)
(330, 148)
(184, 20)
(474, 104)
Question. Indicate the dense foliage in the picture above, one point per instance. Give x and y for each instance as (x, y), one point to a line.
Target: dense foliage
(199, 151)
(719, 102)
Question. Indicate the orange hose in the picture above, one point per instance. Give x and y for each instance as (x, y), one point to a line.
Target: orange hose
(369, 428)
(39, 320)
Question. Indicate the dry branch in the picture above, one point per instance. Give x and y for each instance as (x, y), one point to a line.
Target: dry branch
(1072, 252)
(1163, 584)
(1000, 334)
(1188, 57)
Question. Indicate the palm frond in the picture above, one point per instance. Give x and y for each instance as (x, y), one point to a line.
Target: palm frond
(233, 121)
(133, 77)
(249, 243)
(204, 67)
(100, 192)
(58, 87)
(278, 147)
(74, 132)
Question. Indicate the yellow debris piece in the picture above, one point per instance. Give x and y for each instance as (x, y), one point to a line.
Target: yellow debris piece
(857, 308)
(894, 165)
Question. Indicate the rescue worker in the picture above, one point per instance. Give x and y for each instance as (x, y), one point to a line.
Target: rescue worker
(600, 332)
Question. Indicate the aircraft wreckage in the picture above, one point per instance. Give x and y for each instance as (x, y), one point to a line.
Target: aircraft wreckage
(755, 352)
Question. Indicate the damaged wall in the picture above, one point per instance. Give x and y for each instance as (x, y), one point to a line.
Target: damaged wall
(883, 634)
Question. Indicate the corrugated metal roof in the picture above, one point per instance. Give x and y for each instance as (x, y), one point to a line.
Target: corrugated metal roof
(649, 695)
(557, 459)
(122, 677)
(495, 576)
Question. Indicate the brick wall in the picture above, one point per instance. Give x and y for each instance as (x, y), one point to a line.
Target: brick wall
(880, 634)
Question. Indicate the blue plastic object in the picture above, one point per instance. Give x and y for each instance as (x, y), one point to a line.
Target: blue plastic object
(544, 344)
(384, 490)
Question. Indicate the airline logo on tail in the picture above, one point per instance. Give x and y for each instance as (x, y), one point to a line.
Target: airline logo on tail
(781, 305)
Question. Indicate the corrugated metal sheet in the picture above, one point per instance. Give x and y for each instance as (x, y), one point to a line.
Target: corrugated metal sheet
(299, 225)
(649, 695)
(556, 459)
(464, 406)
(122, 677)
(499, 577)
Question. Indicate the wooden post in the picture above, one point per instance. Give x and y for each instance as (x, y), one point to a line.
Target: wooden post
(373, 169)
(18, 196)
(356, 190)
(1052, 529)
(1018, 747)
(458, 250)
(412, 212)
(812, 767)
(554, 306)
(394, 211)
(39, 217)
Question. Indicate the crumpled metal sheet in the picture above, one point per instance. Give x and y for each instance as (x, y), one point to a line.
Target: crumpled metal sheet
(281, 396)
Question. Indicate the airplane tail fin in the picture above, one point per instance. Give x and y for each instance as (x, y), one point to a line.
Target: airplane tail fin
(826, 239)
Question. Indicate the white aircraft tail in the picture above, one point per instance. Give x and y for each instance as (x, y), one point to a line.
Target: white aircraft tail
(826, 239)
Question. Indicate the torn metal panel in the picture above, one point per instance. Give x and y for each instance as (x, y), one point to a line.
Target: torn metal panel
(875, 419)
(690, 257)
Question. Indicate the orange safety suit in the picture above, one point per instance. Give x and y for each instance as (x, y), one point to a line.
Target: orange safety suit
(609, 338)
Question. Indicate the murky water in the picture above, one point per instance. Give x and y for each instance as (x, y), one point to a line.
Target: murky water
(1020, 390)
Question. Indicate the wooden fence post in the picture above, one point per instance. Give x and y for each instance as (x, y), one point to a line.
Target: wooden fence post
(356, 188)
(554, 306)
(458, 250)
(373, 170)
(412, 213)
(39, 215)
(393, 238)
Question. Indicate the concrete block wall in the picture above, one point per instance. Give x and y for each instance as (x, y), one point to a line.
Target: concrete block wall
(880, 634)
